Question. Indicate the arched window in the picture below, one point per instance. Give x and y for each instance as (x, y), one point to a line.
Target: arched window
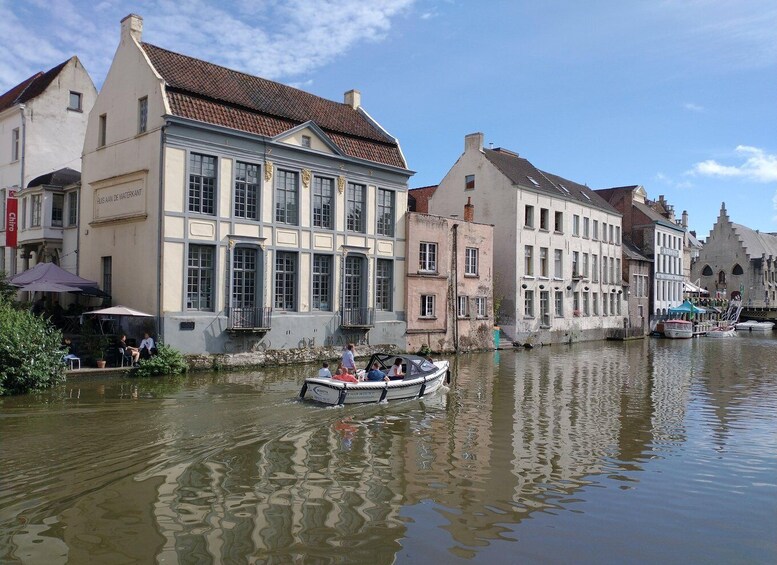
(722, 277)
(707, 271)
(737, 270)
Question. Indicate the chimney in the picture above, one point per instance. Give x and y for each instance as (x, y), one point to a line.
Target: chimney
(132, 26)
(685, 218)
(469, 210)
(353, 98)
(473, 141)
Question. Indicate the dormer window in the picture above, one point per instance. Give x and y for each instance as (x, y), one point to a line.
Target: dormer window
(75, 101)
(306, 141)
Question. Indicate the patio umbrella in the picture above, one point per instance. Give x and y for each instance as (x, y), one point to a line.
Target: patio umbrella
(45, 286)
(51, 274)
(118, 311)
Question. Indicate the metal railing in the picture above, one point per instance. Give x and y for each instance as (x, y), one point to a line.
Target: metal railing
(357, 317)
(249, 318)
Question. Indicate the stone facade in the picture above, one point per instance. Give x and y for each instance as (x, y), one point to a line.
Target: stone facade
(449, 284)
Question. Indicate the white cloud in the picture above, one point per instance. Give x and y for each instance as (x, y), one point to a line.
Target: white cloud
(758, 166)
(668, 181)
(693, 107)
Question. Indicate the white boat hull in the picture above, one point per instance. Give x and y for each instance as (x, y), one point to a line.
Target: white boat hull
(677, 329)
(721, 332)
(334, 392)
(753, 326)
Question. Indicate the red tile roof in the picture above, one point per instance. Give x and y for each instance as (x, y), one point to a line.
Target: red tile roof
(209, 93)
(29, 88)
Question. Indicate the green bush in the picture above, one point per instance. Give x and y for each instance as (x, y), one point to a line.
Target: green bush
(30, 352)
(167, 361)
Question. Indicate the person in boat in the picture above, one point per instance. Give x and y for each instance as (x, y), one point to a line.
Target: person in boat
(324, 372)
(348, 361)
(342, 375)
(375, 374)
(395, 372)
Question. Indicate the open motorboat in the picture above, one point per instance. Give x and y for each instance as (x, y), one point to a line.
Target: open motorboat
(755, 326)
(678, 329)
(422, 377)
(722, 331)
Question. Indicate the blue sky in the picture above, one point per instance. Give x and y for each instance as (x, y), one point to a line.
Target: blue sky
(678, 96)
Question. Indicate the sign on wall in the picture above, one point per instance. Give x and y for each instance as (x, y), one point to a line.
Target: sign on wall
(11, 219)
(124, 198)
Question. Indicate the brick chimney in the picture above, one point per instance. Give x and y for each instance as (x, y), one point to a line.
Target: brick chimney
(132, 26)
(353, 98)
(473, 141)
(685, 218)
(469, 210)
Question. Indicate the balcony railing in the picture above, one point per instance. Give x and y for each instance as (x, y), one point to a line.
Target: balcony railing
(357, 317)
(255, 319)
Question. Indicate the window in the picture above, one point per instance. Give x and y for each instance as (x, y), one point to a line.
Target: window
(286, 197)
(102, 129)
(323, 197)
(384, 269)
(604, 232)
(322, 282)
(586, 228)
(528, 217)
(586, 307)
(428, 257)
(74, 101)
(559, 303)
(707, 271)
(595, 234)
(545, 308)
(471, 261)
(142, 114)
(202, 184)
(199, 279)
(737, 270)
(462, 306)
(285, 280)
(604, 270)
(57, 209)
(353, 285)
(72, 208)
(528, 304)
(558, 264)
(15, 144)
(612, 233)
(585, 265)
(543, 262)
(480, 307)
(306, 141)
(544, 216)
(528, 254)
(575, 225)
(469, 182)
(107, 268)
(24, 212)
(35, 210)
(247, 188)
(618, 272)
(604, 304)
(427, 306)
(558, 224)
(594, 268)
(385, 212)
(244, 263)
(576, 303)
(354, 220)
(617, 235)
(575, 264)
(595, 303)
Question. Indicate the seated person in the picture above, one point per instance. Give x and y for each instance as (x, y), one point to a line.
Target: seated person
(342, 375)
(147, 348)
(130, 353)
(68, 345)
(395, 372)
(376, 374)
(324, 372)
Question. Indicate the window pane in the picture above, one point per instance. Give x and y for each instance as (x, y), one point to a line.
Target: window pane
(286, 197)
(383, 284)
(322, 282)
(355, 207)
(323, 198)
(202, 184)
(385, 212)
(247, 188)
(285, 280)
(199, 285)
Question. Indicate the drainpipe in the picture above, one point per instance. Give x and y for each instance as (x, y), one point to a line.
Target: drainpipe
(455, 262)
(160, 235)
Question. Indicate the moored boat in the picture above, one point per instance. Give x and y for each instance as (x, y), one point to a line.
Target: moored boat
(678, 329)
(755, 326)
(422, 377)
(722, 331)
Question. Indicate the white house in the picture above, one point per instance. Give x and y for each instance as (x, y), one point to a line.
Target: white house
(557, 251)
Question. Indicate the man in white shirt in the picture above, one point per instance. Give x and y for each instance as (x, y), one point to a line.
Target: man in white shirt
(146, 346)
(324, 372)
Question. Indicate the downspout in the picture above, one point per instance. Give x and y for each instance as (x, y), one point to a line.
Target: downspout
(23, 142)
(455, 301)
(159, 325)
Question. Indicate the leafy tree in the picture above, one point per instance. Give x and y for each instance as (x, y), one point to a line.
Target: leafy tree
(7, 292)
(167, 361)
(30, 352)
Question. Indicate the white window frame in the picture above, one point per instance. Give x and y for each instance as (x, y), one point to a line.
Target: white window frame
(427, 257)
(471, 261)
(427, 305)
(462, 306)
(480, 307)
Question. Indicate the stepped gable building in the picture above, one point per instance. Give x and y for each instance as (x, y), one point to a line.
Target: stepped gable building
(556, 242)
(657, 237)
(42, 126)
(244, 213)
(738, 259)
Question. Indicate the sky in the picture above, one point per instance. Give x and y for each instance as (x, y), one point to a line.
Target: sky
(679, 96)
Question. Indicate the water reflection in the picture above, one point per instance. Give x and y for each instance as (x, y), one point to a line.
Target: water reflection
(230, 468)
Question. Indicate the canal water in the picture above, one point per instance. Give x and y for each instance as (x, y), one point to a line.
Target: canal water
(661, 451)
